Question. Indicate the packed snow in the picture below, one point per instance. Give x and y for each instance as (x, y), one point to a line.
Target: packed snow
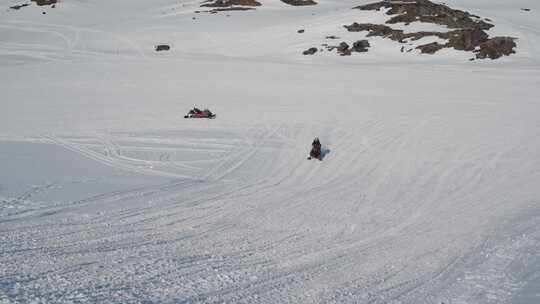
(429, 191)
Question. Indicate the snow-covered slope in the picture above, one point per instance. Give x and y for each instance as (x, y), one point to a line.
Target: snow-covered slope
(428, 193)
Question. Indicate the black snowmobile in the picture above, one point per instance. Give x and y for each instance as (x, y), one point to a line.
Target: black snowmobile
(315, 150)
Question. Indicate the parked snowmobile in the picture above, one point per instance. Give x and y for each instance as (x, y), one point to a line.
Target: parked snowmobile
(197, 113)
(315, 149)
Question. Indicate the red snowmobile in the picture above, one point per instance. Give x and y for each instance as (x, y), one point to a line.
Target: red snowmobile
(196, 113)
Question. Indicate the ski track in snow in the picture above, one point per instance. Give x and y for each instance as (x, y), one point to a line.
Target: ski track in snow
(110, 197)
(212, 236)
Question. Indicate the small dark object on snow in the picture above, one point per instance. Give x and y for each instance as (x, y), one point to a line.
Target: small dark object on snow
(301, 31)
(197, 113)
(332, 37)
(18, 7)
(526, 9)
(299, 2)
(162, 47)
(315, 149)
(361, 46)
(343, 49)
(310, 51)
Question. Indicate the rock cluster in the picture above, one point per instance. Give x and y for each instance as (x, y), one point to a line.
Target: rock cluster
(468, 34)
(408, 11)
(344, 49)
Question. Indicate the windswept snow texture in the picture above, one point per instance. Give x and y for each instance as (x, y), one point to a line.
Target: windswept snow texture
(429, 192)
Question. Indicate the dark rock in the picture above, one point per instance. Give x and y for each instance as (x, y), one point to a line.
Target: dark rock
(162, 47)
(310, 51)
(343, 49)
(332, 37)
(226, 9)
(18, 7)
(430, 48)
(466, 40)
(408, 11)
(44, 2)
(229, 3)
(526, 9)
(299, 2)
(361, 46)
(301, 31)
(496, 47)
(463, 39)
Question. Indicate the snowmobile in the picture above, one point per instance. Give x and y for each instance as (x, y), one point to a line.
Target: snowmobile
(315, 150)
(196, 113)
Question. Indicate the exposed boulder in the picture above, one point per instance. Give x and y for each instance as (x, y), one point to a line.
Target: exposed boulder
(299, 2)
(310, 51)
(37, 2)
(45, 2)
(343, 49)
(229, 3)
(361, 46)
(162, 47)
(18, 7)
(301, 31)
(496, 47)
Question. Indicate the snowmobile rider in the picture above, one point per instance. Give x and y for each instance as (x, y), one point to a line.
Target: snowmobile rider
(315, 148)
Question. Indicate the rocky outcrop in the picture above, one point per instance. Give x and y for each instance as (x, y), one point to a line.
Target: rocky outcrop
(496, 47)
(230, 3)
(37, 2)
(463, 39)
(408, 11)
(45, 2)
(468, 34)
(299, 2)
(236, 5)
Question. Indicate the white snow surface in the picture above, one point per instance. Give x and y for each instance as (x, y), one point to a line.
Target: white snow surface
(429, 191)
